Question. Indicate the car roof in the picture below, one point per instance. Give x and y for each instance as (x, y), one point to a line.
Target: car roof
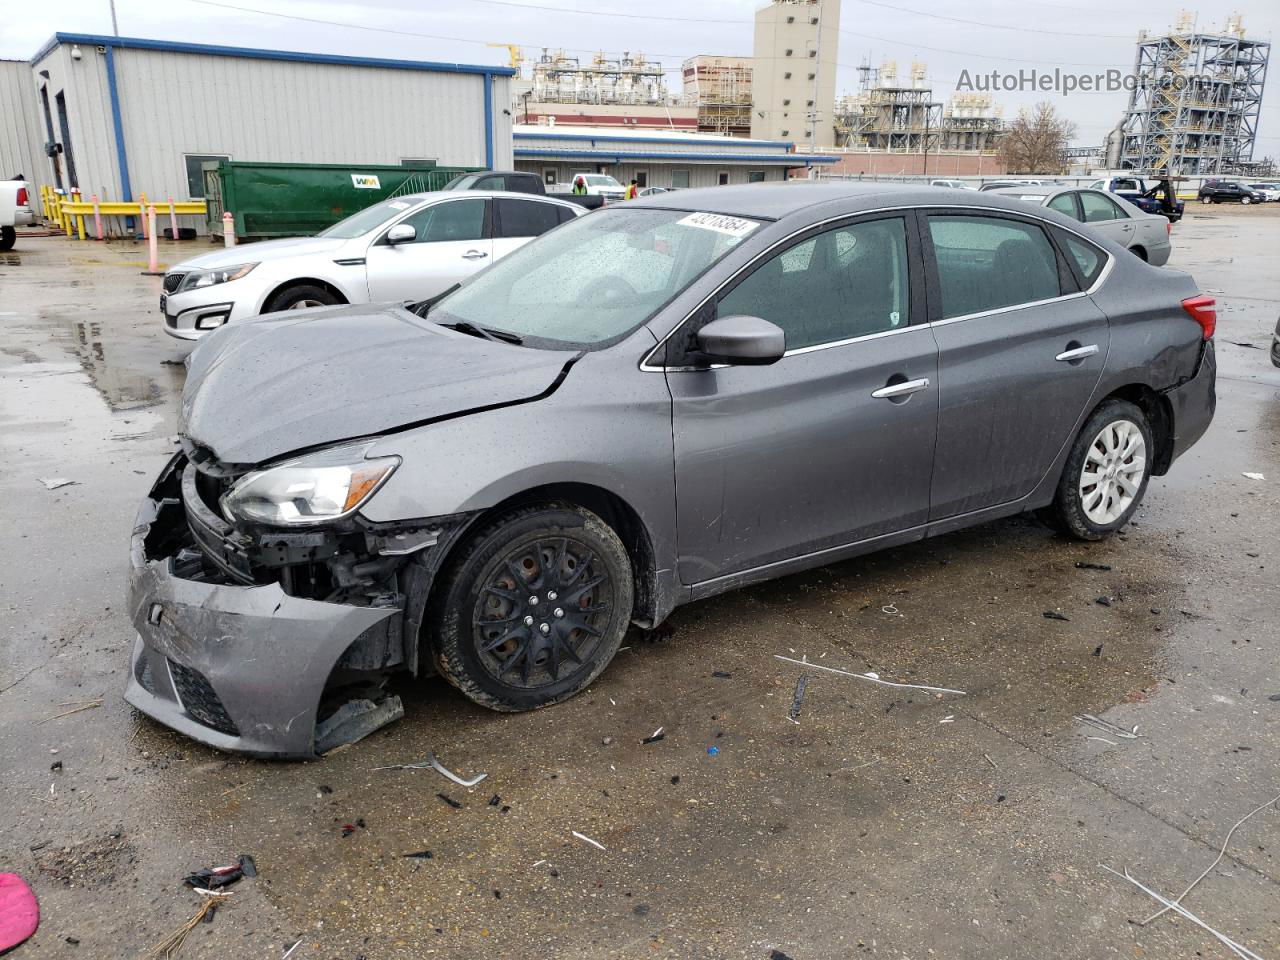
(460, 194)
(773, 201)
(1032, 190)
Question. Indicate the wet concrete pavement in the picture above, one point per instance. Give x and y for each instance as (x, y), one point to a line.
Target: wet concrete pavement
(871, 826)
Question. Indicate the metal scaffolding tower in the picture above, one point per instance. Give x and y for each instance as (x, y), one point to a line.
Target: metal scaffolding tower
(1193, 109)
(720, 87)
(558, 78)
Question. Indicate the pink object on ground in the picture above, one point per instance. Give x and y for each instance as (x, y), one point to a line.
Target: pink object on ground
(19, 912)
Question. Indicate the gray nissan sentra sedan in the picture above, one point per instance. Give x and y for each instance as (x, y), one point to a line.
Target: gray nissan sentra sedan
(661, 401)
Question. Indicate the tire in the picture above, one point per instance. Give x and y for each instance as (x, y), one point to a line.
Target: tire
(1094, 511)
(1206, 199)
(300, 296)
(543, 651)
(8, 237)
(1246, 200)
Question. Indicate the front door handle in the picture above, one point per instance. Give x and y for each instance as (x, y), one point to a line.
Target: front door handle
(901, 389)
(1079, 353)
(474, 255)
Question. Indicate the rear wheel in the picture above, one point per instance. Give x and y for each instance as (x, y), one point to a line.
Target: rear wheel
(1206, 199)
(300, 297)
(8, 237)
(1106, 473)
(534, 608)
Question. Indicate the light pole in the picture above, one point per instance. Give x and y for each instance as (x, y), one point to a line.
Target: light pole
(115, 28)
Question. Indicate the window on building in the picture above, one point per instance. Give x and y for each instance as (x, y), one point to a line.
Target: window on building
(755, 176)
(808, 103)
(64, 129)
(813, 76)
(985, 263)
(786, 103)
(679, 179)
(419, 162)
(642, 178)
(812, 54)
(786, 76)
(791, 19)
(195, 172)
(813, 21)
(549, 176)
(722, 178)
(787, 53)
(786, 133)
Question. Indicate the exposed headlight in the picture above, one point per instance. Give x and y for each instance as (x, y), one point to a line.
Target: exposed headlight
(207, 278)
(313, 489)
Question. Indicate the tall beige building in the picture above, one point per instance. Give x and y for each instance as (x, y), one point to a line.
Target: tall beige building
(794, 72)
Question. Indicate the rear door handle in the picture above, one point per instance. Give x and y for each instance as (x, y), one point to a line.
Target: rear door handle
(474, 255)
(1079, 353)
(901, 389)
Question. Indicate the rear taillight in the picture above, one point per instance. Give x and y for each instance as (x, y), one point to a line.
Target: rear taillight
(22, 196)
(1204, 311)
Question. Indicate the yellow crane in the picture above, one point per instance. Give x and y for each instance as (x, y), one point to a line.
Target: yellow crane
(513, 51)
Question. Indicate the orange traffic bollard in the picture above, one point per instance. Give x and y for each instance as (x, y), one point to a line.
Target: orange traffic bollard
(153, 268)
(228, 229)
(97, 218)
(173, 221)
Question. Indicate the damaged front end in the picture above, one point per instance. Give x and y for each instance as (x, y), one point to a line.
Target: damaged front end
(266, 640)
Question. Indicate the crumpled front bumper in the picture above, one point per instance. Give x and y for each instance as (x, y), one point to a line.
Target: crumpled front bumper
(241, 668)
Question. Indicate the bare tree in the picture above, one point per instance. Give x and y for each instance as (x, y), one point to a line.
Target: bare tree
(1037, 141)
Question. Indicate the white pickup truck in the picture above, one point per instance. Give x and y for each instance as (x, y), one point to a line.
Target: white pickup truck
(15, 210)
(601, 185)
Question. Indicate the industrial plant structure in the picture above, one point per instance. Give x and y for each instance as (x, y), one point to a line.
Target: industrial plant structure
(793, 80)
(1193, 110)
(720, 89)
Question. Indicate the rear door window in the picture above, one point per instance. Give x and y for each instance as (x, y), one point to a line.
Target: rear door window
(1065, 203)
(986, 263)
(1099, 208)
(525, 218)
(1087, 260)
(454, 220)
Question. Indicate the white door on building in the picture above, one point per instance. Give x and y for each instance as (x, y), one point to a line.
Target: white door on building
(451, 242)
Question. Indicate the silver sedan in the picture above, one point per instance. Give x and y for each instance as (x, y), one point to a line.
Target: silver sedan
(1145, 234)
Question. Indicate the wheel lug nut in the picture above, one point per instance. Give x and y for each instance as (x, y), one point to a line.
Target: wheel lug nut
(528, 621)
(533, 601)
(545, 628)
(559, 612)
(552, 595)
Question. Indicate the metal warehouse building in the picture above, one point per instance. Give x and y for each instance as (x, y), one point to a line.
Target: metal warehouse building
(139, 116)
(655, 158)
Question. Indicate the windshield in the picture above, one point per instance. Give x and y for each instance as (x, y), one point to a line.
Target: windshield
(600, 180)
(596, 277)
(462, 181)
(370, 218)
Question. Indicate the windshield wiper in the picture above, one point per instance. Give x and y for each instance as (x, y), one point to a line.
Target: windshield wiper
(497, 336)
(422, 307)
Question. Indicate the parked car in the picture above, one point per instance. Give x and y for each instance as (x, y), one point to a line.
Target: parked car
(1269, 191)
(1144, 234)
(1155, 196)
(1227, 191)
(601, 185)
(15, 210)
(655, 191)
(405, 248)
(1006, 184)
(518, 181)
(954, 184)
(662, 401)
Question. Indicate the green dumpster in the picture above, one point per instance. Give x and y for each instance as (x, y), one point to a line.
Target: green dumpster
(300, 199)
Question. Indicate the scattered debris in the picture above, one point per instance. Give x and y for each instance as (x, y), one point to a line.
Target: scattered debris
(715, 751)
(778, 955)
(583, 837)
(1230, 944)
(56, 765)
(1103, 601)
(675, 781)
(874, 678)
(348, 829)
(1254, 476)
(891, 609)
(86, 705)
(1174, 905)
(355, 720)
(1086, 565)
(655, 736)
(289, 953)
(605, 741)
(1055, 615)
(1103, 740)
(19, 911)
(721, 675)
(949, 718)
(418, 855)
(798, 699)
(213, 878)
(495, 800)
(450, 801)
(432, 763)
(170, 945)
(1275, 697)
(55, 483)
(990, 761)
(1106, 726)
(1097, 651)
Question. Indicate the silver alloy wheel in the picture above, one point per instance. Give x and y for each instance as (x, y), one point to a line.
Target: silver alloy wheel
(1113, 471)
(303, 304)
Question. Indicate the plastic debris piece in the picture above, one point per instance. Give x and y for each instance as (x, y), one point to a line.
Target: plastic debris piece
(1087, 565)
(778, 955)
(1106, 726)
(1097, 651)
(495, 800)
(949, 718)
(1103, 601)
(348, 829)
(583, 837)
(798, 698)
(54, 483)
(354, 721)
(439, 768)
(713, 751)
(1054, 615)
(19, 911)
(213, 878)
(450, 801)
(418, 855)
(657, 735)
(289, 953)
(721, 674)
(1275, 697)
(874, 678)
(890, 608)
(1255, 476)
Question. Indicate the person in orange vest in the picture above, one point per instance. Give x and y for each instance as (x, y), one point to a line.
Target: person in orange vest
(633, 190)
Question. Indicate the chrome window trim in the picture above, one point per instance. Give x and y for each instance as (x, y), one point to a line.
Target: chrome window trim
(647, 367)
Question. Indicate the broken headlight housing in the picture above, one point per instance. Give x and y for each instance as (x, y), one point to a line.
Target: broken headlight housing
(207, 278)
(317, 488)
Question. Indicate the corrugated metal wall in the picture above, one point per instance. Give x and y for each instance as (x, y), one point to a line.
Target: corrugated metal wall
(22, 134)
(700, 175)
(671, 145)
(177, 103)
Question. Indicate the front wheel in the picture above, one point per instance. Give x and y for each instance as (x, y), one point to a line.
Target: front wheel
(1246, 200)
(1106, 473)
(534, 608)
(8, 237)
(299, 298)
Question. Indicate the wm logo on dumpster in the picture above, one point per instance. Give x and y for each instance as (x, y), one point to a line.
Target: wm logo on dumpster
(365, 181)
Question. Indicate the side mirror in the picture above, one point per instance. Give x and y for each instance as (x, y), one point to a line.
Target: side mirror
(742, 341)
(401, 233)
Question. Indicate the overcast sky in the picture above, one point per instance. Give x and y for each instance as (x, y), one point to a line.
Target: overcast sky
(1086, 36)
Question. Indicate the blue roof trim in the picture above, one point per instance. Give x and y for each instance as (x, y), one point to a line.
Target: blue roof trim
(252, 53)
(786, 144)
(786, 159)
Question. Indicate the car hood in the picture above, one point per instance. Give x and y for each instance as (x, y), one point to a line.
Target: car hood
(258, 252)
(284, 382)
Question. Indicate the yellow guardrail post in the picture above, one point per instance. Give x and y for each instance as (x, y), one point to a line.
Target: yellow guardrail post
(68, 211)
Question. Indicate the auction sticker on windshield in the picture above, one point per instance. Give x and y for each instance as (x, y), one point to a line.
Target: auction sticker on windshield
(732, 226)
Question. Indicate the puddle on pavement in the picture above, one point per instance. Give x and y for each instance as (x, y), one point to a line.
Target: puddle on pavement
(123, 389)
